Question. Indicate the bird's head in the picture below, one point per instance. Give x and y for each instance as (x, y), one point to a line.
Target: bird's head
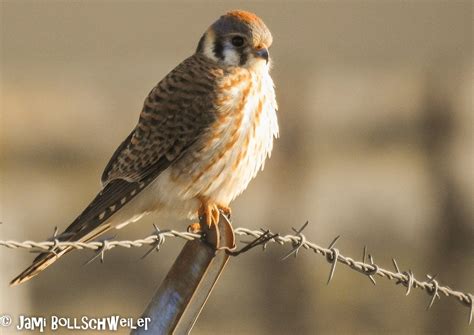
(237, 38)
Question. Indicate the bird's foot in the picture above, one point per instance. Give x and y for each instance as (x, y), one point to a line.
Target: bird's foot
(194, 228)
(225, 211)
(218, 234)
(208, 214)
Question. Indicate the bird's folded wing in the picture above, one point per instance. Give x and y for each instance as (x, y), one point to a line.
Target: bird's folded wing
(171, 122)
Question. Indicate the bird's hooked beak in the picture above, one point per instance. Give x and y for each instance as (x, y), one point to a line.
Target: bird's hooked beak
(262, 53)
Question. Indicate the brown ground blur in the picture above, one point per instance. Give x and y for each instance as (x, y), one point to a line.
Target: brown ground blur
(376, 144)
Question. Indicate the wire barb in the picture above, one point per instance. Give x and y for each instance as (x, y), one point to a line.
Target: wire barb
(160, 240)
(55, 240)
(99, 253)
(297, 245)
(332, 257)
(372, 271)
(471, 308)
(409, 282)
(262, 240)
(433, 290)
(395, 265)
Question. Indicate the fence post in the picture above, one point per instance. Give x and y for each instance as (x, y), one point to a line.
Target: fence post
(177, 303)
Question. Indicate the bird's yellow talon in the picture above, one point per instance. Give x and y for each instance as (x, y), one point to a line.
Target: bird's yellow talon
(194, 228)
(210, 212)
(225, 210)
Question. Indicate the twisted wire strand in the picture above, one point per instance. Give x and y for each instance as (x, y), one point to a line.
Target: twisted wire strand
(297, 241)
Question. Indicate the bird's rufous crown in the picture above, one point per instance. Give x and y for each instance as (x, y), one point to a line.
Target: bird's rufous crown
(244, 16)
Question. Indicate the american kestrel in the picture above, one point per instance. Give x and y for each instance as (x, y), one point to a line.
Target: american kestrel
(204, 132)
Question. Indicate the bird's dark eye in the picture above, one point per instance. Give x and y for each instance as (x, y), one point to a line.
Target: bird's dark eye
(237, 41)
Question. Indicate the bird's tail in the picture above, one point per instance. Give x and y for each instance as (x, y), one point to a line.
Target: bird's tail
(40, 263)
(93, 221)
(45, 259)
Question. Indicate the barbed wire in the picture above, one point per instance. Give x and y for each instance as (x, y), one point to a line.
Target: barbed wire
(333, 256)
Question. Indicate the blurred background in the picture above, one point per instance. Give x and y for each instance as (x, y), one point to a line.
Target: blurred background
(376, 145)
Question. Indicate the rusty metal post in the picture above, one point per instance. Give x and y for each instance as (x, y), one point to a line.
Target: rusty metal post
(181, 296)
